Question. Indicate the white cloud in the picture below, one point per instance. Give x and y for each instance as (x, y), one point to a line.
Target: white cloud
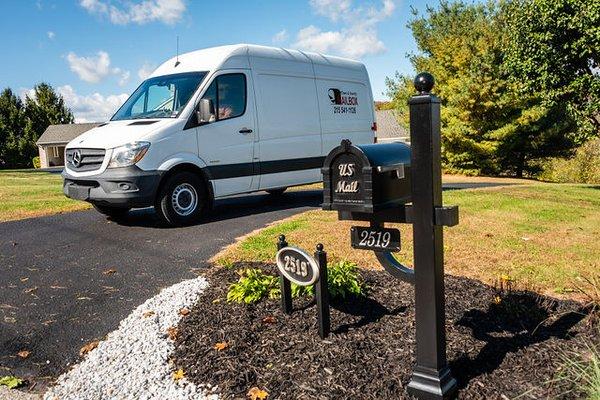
(166, 11)
(124, 79)
(145, 71)
(331, 8)
(91, 108)
(51, 35)
(357, 37)
(90, 69)
(280, 37)
(93, 69)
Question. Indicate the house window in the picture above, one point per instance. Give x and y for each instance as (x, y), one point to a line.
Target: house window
(55, 152)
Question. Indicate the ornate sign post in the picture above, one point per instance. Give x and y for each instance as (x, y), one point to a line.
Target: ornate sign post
(297, 266)
(393, 182)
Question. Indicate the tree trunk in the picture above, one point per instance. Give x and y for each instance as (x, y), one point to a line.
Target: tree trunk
(520, 165)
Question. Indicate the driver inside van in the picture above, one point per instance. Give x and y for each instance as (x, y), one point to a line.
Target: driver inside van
(231, 96)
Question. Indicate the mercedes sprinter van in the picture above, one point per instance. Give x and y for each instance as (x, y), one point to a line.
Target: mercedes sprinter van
(219, 122)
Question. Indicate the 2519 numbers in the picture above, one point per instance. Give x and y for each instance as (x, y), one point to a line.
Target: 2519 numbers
(375, 239)
(295, 266)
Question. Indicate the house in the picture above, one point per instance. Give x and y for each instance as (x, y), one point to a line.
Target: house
(388, 127)
(51, 145)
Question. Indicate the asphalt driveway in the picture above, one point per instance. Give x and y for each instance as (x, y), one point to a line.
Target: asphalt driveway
(68, 279)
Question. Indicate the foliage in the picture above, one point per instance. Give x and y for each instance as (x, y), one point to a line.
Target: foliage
(22, 123)
(36, 162)
(583, 369)
(343, 280)
(553, 51)
(12, 382)
(489, 126)
(253, 286)
(584, 167)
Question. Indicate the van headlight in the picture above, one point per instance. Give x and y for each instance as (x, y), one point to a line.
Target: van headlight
(129, 154)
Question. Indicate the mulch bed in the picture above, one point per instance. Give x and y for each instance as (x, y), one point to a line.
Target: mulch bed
(496, 350)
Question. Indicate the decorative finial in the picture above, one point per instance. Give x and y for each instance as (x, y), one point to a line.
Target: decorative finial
(282, 238)
(320, 247)
(346, 143)
(424, 82)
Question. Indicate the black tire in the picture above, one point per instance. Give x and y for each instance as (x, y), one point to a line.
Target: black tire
(182, 199)
(112, 212)
(276, 192)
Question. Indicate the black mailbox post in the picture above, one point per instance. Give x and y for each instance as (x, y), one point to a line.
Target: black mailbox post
(396, 183)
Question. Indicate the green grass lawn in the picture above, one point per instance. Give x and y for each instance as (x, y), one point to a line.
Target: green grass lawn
(31, 193)
(544, 236)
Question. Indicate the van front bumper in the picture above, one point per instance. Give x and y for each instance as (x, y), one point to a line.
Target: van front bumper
(128, 187)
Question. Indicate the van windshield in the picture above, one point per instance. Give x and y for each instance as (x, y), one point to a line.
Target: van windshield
(160, 97)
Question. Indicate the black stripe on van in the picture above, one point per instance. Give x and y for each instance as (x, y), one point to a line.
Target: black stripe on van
(263, 167)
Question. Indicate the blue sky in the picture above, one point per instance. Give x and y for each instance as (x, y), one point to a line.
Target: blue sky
(95, 52)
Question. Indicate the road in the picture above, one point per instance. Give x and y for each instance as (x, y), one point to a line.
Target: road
(68, 279)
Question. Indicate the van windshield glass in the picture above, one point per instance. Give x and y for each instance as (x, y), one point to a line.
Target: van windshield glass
(160, 97)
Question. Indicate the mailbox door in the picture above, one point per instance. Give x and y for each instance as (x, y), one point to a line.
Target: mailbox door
(348, 186)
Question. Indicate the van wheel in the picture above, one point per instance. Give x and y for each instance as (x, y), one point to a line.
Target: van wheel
(276, 192)
(112, 212)
(182, 199)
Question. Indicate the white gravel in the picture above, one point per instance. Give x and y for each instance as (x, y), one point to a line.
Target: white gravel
(133, 361)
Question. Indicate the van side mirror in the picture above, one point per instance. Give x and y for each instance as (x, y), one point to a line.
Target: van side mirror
(205, 112)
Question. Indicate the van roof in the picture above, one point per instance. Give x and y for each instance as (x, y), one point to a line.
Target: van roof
(237, 56)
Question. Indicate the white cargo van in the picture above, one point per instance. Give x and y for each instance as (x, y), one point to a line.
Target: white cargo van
(218, 122)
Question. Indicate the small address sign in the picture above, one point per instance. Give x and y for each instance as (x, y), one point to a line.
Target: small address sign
(297, 266)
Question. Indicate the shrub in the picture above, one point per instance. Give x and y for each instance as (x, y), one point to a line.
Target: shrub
(343, 280)
(583, 167)
(36, 162)
(253, 286)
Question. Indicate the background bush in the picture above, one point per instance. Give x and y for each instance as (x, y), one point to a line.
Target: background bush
(36, 162)
(583, 167)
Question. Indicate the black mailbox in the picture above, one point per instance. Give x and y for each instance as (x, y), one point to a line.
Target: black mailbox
(366, 178)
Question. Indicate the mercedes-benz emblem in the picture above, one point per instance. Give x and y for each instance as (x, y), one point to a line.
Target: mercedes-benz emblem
(77, 158)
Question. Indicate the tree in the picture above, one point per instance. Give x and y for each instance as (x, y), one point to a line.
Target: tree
(553, 51)
(43, 109)
(488, 127)
(12, 125)
(21, 125)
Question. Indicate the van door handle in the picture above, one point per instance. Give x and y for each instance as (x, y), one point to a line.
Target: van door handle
(245, 130)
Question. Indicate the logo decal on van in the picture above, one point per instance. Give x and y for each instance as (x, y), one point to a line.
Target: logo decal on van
(343, 102)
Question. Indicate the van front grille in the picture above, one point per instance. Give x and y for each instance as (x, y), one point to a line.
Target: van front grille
(82, 160)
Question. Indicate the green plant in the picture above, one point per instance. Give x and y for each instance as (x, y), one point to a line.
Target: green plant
(11, 382)
(36, 162)
(253, 286)
(582, 370)
(343, 279)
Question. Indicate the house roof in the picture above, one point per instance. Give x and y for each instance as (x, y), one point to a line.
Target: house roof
(388, 126)
(63, 134)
